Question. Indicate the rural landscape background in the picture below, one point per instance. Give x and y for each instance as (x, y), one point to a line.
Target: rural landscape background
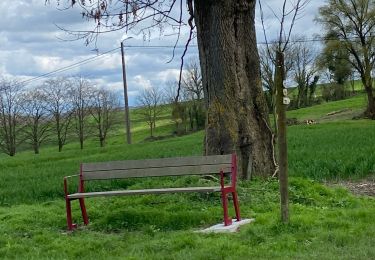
(49, 127)
(327, 220)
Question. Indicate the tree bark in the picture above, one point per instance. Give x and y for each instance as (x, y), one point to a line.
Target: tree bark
(237, 114)
(367, 82)
(35, 137)
(370, 111)
(281, 137)
(60, 146)
(81, 141)
(36, 149)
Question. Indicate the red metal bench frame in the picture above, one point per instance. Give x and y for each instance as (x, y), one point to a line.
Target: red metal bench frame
(225, 190)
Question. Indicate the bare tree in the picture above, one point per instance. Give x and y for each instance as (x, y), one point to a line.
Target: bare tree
(267, 65)
(353, 23)
(192, 79)
(225, 30)
(170, 91)
(193, 89)
(80, 94)
(150, 100)
(304, 70)
(103, 108)
(282, 43)
(36, 117)
(179, 108)
(10, 117)
(56, 93)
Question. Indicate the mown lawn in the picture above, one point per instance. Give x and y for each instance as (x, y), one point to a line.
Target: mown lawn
(326, 223)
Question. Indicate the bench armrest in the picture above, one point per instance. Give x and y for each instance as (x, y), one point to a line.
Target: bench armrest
(234, 170)
(224, 176)
(233, 173)
(66, 183)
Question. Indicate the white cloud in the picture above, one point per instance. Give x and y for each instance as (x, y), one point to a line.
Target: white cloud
(140, 83)
(168, 75)
(30, 46)
(133, 94)
(49, 63)
(272, 10)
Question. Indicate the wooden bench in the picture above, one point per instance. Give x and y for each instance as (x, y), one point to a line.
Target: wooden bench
(224, 165)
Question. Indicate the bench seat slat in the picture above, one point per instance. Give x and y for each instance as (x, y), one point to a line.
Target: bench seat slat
(157, 163)
(156, 172)
(142, 192)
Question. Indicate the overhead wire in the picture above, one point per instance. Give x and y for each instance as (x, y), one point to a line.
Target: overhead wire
(85, 61)
(71, 66)
(77, 64)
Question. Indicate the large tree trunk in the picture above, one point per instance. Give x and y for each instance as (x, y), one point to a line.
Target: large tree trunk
(370, 111)
(81, 140)
(367, 82)
(36, 146)
(60, 146)
(237, 116)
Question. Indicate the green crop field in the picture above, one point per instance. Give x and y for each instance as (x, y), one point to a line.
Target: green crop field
(326, 222)
(344, 109)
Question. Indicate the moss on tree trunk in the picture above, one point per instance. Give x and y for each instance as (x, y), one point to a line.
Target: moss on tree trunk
(237, 114)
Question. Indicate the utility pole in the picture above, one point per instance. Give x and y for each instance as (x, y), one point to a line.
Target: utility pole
(127, 119)
(281, 102)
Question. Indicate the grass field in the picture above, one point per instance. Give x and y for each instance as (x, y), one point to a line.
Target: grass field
(347, 108)
(326, 223)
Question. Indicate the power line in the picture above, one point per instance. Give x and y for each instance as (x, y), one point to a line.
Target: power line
(77, 64)
(318, 39)
(74, 65)
(71, 66)
(158, 46)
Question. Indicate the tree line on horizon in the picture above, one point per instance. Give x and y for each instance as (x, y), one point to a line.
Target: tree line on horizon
(73, 107)
(60, 107)
(306, 67)
(349, 46)
(54, 110)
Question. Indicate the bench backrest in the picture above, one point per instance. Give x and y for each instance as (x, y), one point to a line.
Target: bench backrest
(195, 165)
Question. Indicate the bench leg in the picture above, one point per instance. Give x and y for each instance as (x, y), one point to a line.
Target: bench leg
(224, 198)
(236, 205)
(69, 222)
(84, 212)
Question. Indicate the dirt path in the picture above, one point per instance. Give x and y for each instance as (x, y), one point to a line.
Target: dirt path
(361, 187)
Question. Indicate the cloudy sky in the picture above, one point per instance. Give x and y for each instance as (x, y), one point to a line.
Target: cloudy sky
(31, 45)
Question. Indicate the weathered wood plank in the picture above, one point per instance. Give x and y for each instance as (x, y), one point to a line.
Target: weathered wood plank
(157, 163)
(157, 172)
(142, 192)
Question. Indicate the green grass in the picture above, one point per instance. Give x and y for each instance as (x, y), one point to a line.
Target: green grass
(354, 105)
(335, 150)
(326, 223)
(358, 87)
(39, 177)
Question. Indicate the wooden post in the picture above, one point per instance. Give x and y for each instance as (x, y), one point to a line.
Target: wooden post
(127, 119)
(281, 136)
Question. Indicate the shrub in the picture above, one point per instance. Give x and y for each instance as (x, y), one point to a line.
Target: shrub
(334, 92)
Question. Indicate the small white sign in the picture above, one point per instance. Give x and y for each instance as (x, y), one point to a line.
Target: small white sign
(285, 92)
(286, 101)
